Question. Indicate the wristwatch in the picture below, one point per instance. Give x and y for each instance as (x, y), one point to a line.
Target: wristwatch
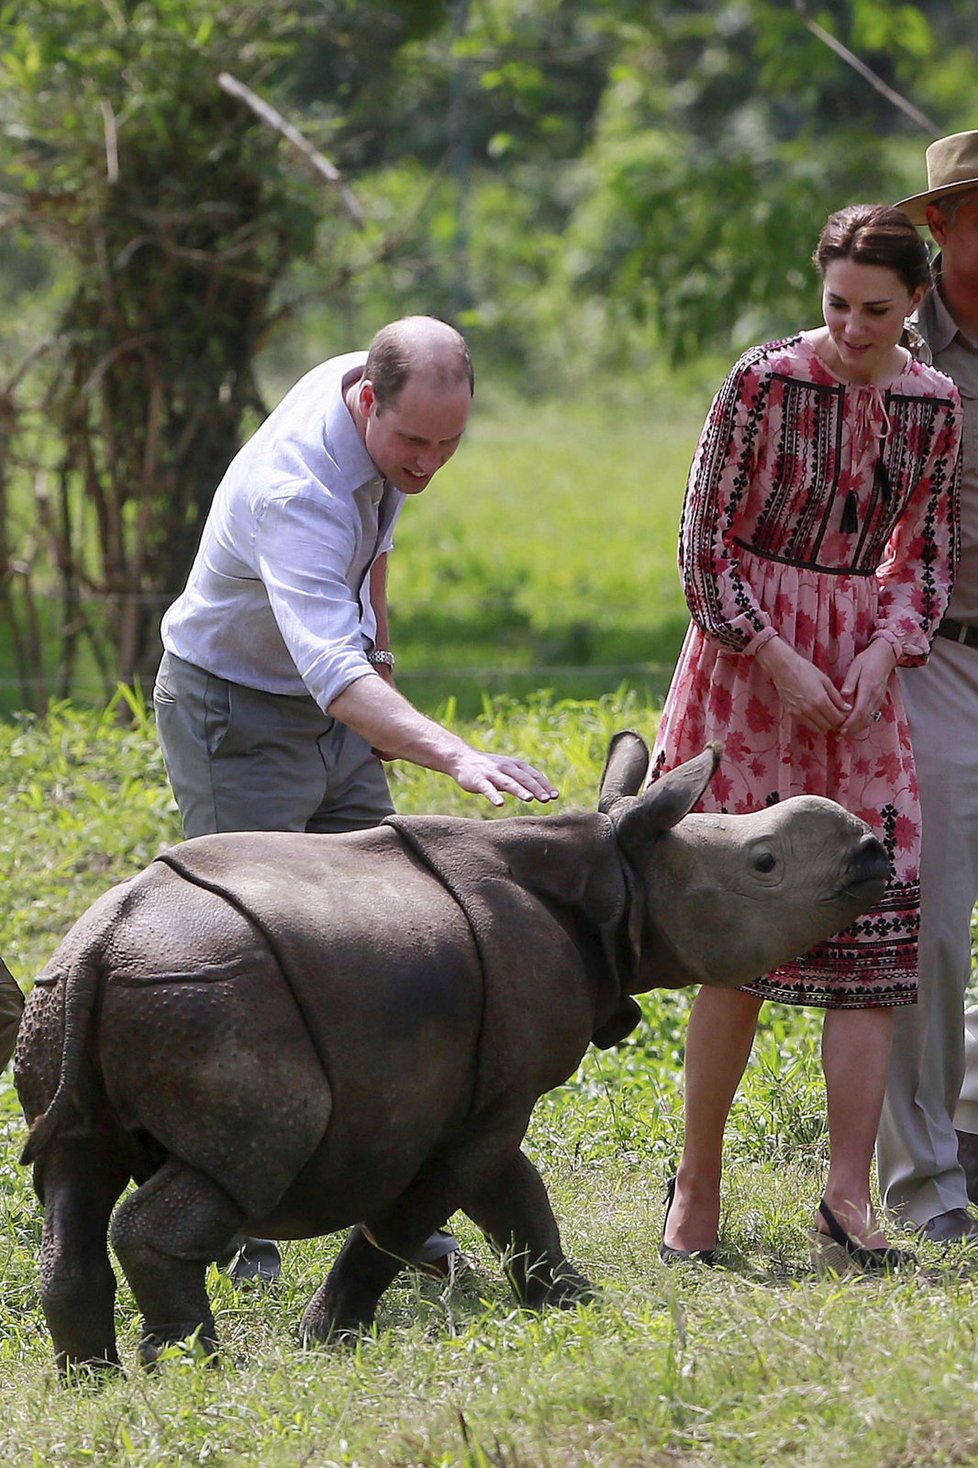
(381, 655)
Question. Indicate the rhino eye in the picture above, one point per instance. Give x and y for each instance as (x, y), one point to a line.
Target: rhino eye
(766, 862)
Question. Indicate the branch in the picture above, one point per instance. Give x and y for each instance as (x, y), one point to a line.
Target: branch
(20, 372)
(268, 114)
(383, 252)
(865, 72)
(111, 141)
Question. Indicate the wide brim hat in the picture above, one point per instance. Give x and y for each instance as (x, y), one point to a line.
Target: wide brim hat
(952, 165)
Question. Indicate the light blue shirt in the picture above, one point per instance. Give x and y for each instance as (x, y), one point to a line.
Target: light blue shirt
(278, 594)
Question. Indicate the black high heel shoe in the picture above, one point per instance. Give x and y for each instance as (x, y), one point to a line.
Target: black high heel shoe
(667, 1253)
(837, 1253)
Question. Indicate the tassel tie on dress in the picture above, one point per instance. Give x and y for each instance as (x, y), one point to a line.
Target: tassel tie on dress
(870, 406)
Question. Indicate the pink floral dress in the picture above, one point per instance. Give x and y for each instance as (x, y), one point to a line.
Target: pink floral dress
(824, 512)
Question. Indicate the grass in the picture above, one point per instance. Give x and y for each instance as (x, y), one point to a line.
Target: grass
(544, 555)
(754, 1364)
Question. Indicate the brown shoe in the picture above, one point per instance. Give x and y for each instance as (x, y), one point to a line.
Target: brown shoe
(956, 1226)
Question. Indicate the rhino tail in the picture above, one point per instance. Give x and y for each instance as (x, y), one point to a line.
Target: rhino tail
(82, 983)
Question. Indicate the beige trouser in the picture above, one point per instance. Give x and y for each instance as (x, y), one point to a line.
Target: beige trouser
(966, 1113)
(11, 1008)
(916, 1152)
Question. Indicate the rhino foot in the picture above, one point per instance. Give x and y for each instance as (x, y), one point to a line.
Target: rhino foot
(191, 1336)
(88, 1372)
(325, 1324)
(564, 1287)
(338, 1335)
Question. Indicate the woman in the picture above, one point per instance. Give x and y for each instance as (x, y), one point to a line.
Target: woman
(817, 551)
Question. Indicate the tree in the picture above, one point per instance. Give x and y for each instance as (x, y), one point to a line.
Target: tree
(173, 213)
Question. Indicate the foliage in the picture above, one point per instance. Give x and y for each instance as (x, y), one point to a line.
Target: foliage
(613, 179)
(173, 214)
(586, 186)
(725, 136)
(755, 1363)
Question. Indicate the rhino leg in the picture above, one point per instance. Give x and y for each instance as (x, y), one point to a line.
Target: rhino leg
(346, 1303)
(165, 1234)
(78, 1180)
(514, 1210)
(376, 1251)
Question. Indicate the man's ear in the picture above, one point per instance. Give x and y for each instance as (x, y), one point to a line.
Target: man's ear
(366, 397)
(936, 223)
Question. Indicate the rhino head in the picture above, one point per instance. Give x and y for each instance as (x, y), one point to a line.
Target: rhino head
(722, 899)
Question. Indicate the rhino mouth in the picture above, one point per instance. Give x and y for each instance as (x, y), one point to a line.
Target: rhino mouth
(870, 889)
(869, 872)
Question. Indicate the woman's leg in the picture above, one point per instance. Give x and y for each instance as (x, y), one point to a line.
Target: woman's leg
(718, 1044)
(855, 1059)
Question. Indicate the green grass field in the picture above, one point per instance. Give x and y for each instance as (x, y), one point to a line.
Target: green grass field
(753, 1364)
(544, 555)
(535, 606)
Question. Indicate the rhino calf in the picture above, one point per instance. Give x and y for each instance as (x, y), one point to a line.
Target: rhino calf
(283, 1035)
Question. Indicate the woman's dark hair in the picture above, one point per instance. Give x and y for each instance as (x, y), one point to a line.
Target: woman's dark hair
(875, 234)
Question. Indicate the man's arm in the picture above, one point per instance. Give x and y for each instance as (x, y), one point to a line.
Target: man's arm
(387, 721)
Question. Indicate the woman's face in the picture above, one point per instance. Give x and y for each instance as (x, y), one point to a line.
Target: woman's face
(865, 307)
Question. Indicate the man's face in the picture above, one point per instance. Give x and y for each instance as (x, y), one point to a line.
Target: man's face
(411, 439)
(959, 243)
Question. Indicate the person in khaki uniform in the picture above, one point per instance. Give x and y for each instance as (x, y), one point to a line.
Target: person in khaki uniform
(11, 1008)
(919, 1152)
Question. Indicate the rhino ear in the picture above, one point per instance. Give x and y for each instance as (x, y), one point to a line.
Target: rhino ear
(672, 796)
(624, 769)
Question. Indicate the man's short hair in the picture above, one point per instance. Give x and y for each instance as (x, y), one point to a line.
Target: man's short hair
(949, 204)
(416, 344)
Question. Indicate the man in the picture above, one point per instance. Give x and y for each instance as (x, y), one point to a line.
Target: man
(275, 695)
(920, 1172)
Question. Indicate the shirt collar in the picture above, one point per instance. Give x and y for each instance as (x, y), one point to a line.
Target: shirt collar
(939, 326)
(341, 434)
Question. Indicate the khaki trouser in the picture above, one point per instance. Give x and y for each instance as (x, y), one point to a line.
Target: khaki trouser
(917, 1152)
(966, 1115)
(11, 1009)
(242, 760)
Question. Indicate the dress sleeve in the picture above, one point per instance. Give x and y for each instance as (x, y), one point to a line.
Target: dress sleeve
(917, 571)
(720, 599)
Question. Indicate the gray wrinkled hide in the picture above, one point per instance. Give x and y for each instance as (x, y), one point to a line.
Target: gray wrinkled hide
(284, 1035)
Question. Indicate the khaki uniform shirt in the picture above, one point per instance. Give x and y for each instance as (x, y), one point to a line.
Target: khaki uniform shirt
(955, 355)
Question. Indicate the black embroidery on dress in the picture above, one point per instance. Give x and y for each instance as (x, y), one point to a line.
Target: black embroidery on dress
(802, 506)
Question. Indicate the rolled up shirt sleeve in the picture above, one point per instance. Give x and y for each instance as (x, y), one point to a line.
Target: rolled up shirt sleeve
(304, 546)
